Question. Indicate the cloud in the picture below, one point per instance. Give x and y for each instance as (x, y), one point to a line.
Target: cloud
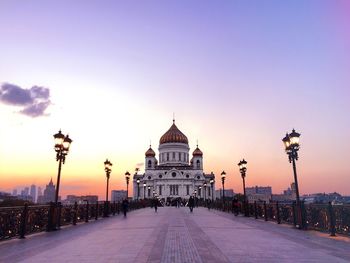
(139, 165)
(34, 101)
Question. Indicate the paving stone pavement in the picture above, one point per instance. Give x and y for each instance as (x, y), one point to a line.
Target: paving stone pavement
(174, 235)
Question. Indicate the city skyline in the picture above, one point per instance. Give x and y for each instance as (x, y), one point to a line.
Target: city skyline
(237, 75)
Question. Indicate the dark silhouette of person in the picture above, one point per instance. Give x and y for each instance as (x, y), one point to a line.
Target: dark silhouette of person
(125, 206)
(235, 206)
(208, 204)
(155, 203)
(191, 203)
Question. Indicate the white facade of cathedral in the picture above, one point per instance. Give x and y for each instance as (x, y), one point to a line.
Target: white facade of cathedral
(175, 175)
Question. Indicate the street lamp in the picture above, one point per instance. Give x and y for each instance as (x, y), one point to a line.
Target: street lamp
(108, 170)
(62, 144)
(223, 176)
(205, 190)
(291, 144)
(154, 193)
(149, 191)
(212, 188)
(127, 178)
(200, 192)
(243, 169)
(138, 188)
(144, 190)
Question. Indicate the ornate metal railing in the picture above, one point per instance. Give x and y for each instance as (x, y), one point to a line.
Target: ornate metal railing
(24, 220)
(321, 217)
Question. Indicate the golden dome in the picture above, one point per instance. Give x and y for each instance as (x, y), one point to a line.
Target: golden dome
(197, 152)
(173, 135)
(150, 152)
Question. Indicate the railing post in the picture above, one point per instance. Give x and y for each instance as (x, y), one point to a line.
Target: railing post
(265, 211)
(303, 215)
(24, 218)
(59, 209)
(114, 208)
(96, 214)
(50, 217)
(278, 218)
(331, 219)
(75, 215)
(87, 212)
(294, 215)
(255, 210)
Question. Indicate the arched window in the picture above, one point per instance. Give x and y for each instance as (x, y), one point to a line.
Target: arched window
(149, 163)
(198, 164)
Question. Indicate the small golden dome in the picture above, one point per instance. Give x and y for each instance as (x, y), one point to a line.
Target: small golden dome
(150, 152)
(197, 152)
(173, 135)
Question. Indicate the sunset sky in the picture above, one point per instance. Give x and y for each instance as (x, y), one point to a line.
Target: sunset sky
(237, 74)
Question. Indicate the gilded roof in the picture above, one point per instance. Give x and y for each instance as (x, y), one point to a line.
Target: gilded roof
(197, 152)
(150, 153)
(173, 135)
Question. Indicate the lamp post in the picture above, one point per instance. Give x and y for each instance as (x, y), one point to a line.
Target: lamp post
(62, 144)
(223, 176)
(127, 178)
(200, 192)
(108, 170)
(149, 191)
(138, 188)
(144, 190)
(205, 190)
(291, 144)
(212, 189)
(154, 193)
(243, 169)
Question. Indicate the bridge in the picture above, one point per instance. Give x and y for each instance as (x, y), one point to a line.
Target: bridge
(176, 235)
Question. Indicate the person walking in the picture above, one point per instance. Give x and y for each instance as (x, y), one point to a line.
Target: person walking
(125, 206)
(191, 203)
(235, 206)
(155, 203)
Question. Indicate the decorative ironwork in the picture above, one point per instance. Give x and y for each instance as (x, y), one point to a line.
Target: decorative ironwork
(24, 220)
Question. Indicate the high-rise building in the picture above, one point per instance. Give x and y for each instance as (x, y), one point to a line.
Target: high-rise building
(49, 193)
(118, 195)
(26, 191)
(33, 192)
(14, 192)
(40, 193)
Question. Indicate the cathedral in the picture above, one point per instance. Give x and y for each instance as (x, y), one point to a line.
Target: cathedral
(175, 174)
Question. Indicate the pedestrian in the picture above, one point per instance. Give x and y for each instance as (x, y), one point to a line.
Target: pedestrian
(208, 204)
(155, 203)
(191, 203)
(235, 206)
(125, 206)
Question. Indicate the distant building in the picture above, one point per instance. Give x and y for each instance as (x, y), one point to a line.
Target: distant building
(49, 194)
(71, 199)
(118, 195)
(259, 194)
(26, 191)
(14, 192)
(228, 193)
(288, 195)
(4, 196)
(33, 192)
(40, 193)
